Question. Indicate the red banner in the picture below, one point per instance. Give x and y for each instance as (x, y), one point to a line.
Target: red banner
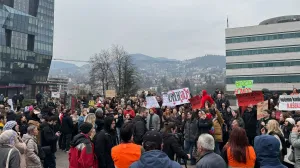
(195, 102)
(250, 98)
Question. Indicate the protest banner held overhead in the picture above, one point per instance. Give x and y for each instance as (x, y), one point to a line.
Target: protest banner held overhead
(289, 102)
(179, 96)
(244, 86)
(261, 107)
(195, 102)
(166, 100)
(110, 93)
(151, 102)
(55, 94)
(250, 98)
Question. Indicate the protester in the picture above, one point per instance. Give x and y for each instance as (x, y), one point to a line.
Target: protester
(262, 123)
(153, 121)
(48, 141)
(295, 142)
(9, 155)
(171, 143)
(209, 159)
(104, 141)
(32, 158)
(190, 136)
(126, 152)
(250, 120)
(204, 124)
(129, 111)
(238, 152)
(82, 154)
(267, 150)
(217, 125)
(153, 156)
(66, 129)
(99, 120)
(140, 126)
(81, 117)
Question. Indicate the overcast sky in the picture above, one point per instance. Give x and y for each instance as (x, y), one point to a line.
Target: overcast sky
(177, 29)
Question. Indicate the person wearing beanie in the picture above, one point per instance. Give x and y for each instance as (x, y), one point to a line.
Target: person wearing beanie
(287, 127)
(81, 154)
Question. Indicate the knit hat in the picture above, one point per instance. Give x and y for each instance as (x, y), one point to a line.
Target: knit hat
(153, 136)
(290, 120)
(86, 127)
(9, 125)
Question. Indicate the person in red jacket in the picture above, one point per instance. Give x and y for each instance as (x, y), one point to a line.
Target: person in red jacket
(205, 98)
(82, 153)
(129, 111)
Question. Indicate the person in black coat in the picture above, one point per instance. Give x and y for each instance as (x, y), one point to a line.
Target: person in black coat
(99, 120)
(140, 125)
(104, 141)
(66, 129)
(48, 141)
(204, 124)
(171, 142)
(250, 119)
(21, 98)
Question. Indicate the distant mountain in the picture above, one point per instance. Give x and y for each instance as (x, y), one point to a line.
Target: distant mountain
(208, 61)
(60, 65)
(136, 58)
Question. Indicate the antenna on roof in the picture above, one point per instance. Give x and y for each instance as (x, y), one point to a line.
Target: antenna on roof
(227, 22)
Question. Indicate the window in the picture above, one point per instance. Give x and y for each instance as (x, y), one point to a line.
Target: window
(264, 64)
(258, 51)
(266, 79)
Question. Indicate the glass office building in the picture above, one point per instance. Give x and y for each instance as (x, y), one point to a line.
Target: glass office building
(268, 54)
(26, 45)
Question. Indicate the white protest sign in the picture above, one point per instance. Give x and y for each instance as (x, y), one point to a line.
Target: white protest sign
(55, 94)
(151, 102)
(289, 102)
(10, 102)
(179, 96)
(166, 100)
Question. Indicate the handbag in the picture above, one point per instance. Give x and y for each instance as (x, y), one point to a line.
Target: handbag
(291, 157)
(41, 153)
(8, 157)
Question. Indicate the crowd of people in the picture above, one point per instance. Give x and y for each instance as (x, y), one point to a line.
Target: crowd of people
(123, 133)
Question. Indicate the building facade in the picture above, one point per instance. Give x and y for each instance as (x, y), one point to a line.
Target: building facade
(26, 45)
(58, 84)
(268, 54)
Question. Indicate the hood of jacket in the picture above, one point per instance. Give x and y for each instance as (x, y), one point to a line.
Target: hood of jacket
(107, 123)
(27, 137)
(204, 92)
(78, 139)
(267, 150)
(154, 158)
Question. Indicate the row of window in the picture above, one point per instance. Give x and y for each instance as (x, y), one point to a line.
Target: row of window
(263, 37)
(263, 64)
(266, 79)
(258, 51)
(22, 54)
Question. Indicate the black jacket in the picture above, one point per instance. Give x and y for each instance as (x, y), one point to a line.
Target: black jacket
(104, 141)
(48, 137)
(11, 116)
(67, 124)
(139, 129)
(172, 147)
(204, 126)
(250, 119)
(100, 124)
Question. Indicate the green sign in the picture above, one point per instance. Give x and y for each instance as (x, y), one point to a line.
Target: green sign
(244, 84)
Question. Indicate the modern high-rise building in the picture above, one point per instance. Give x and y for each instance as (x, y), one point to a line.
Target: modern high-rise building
(268, 54)
(26, 45)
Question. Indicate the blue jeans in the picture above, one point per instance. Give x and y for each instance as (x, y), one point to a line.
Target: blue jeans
(217, 148)
(188, 148)
(49, 161)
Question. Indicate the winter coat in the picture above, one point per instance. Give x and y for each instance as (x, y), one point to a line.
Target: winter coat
(172, 147)
(21, 146)
(82, 154)
(104, 141)
(155, 122)
(155, 159)
(205, 97)
(190, 130)
(250, 120)
(204, 126)
(67, 124)
(267, 152)
(48, 137)
(11, 116)
(218, 124)
(130, 112)
(211, 160)
(80, 121)
(100, 124)
(14, 161)
(295, 142)
(32, 158)
(139, 129)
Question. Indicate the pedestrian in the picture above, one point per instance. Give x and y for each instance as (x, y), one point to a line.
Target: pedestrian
(295, 142)
(9, 155)
(82, 154)
(153, 155)
(140, 126)
(208, 159)
(153, 121)
(66, 129)
(32, 158)
(190, 135)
